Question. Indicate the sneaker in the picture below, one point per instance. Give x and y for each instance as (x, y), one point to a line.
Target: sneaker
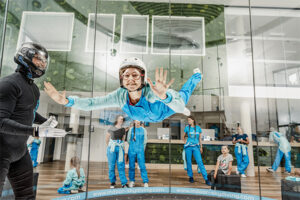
(146, 185)
(243, 175)
(237, 171)
(131, 184)
(82, 189)
(127, 166)
(270, 170)
(186, 112)
(125, 186)
(74, 191)
(191, 180)
(112, 185)
(287, 173)
(207, 182)
(197, 70)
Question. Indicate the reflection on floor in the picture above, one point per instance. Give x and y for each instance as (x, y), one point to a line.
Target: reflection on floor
(51, 176)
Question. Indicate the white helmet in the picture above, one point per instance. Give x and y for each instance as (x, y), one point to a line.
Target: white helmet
(133, 62)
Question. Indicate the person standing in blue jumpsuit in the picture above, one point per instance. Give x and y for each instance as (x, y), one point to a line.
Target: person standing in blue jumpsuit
(193, 147)
(284, 149)
(115, 152)
(139, 97)
(137, 139)
(34, 151)
(241, 151)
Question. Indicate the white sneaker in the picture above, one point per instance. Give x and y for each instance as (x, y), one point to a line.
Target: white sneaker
(270, 170)
(146, 185)
(197, 70)
(127, 166)
(243, 175)
(186, 112)
(112, 185)
(287, 173)
(131, 184)
(237, 171)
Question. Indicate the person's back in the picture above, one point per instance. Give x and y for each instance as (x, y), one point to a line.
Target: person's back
(76, 181)
(281, 140)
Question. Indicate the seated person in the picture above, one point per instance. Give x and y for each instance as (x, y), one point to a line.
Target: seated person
(224, 163)
(75, 179)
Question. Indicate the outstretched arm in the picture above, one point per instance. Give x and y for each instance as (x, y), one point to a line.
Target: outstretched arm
(113, 99)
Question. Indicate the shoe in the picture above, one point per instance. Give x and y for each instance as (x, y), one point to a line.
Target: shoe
(74, 191)
(82, 189)
(237, 171)
(186, 112)
(287, 173)
(131, 184)
(191, 180)
(127, 166)
(207, 182)
(125, 186)
(243, 175)
(270, 170)
(112, 185)
(146, 185)
(197, 70)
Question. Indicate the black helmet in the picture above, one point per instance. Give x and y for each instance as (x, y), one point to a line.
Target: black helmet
(34, 58)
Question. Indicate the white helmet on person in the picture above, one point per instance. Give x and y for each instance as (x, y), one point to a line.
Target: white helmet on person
(136, 63)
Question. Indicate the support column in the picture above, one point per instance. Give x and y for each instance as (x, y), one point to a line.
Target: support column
(246, 126)
(72, 139)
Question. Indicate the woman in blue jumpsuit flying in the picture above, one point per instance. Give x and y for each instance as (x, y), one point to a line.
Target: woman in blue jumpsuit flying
(138, 96)
(193, 147)
(137, 139)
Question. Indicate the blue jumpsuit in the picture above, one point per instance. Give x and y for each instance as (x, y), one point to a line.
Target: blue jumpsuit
(192, 147)
(115, 154)
(241, 153)
(137, 139)
(150, 108)
(34, 151)
(72, 182)
(284, 148)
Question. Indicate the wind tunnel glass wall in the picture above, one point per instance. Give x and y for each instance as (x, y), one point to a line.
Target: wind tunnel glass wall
(61, 27)
(250, 78)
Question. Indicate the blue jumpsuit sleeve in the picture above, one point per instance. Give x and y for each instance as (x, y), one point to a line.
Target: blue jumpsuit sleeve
(199, 129)
(186, 130)
(115, 99)
(69, 177)
(82, 176)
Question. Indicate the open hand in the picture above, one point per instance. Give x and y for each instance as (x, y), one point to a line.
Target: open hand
(59, 98)
(160, 88)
